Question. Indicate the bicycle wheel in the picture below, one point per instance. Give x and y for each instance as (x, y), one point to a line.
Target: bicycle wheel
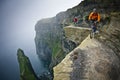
(91, 35)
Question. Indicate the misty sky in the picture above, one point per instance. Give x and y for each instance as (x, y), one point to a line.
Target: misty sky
(19, 17)
(17, 29)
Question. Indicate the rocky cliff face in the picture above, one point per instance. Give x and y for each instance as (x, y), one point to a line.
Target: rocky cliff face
(52, 43)
(91, 60)
(110, 33)
(94, 59)
(74, 36)
(49, 40)
(26, 70)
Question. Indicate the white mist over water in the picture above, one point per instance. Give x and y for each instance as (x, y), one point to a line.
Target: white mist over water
(17, 30)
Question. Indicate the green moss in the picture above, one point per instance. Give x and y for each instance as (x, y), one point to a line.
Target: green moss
(55, 48)
(53, 42)
(26, 70)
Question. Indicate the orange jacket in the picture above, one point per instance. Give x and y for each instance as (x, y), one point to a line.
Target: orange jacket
(94, 16)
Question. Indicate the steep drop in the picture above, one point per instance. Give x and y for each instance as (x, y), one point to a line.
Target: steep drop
(91, 60)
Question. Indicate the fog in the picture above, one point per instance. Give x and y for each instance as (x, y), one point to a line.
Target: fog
(17, 30)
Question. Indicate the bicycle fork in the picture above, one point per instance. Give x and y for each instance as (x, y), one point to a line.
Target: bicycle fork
(92, 34)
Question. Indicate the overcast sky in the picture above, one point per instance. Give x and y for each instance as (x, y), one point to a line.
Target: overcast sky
(19, 17)
(17, 29)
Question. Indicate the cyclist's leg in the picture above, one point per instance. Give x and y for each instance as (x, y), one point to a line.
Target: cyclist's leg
(91, 26)
(94, 29)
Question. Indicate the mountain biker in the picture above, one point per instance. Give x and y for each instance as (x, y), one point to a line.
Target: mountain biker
(75, 20)
(94, 18)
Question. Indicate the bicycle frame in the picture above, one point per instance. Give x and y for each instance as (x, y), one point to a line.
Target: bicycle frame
(93, 29)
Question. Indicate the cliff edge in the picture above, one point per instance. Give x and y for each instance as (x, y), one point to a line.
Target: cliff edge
(94, 59)
(91, 60)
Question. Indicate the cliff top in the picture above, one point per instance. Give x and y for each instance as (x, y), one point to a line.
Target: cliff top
(91, 60)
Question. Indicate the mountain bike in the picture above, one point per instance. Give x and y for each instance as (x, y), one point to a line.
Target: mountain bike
(93, 29)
